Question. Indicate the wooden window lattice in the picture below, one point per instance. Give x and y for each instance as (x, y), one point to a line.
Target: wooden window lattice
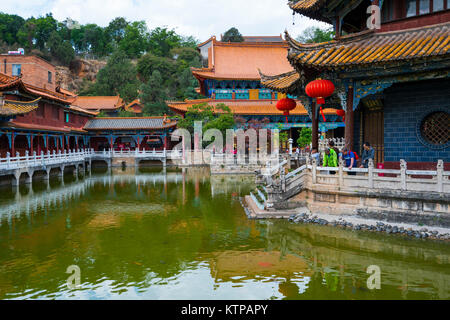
(435, 128)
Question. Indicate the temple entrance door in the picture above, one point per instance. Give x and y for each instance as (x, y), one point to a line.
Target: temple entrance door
(374, 131)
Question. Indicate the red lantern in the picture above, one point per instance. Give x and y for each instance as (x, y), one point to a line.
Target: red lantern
(286, 105)
(341, 113)
(320, 89)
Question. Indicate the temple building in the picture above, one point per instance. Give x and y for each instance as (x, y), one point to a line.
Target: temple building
(130, 133)
(135, 107)
(232, 75)
(38, 120)
(391, 73)
(38, 116)
(109, 105)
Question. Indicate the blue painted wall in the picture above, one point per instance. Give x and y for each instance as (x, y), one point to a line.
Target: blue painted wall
(405, 107)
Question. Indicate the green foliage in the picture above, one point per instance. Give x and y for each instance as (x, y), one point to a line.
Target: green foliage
(118, 77)
(233, 35)
(125, 114)
(316, 35)
(205, 114)
(164, 58)
(135, 39)
(162, 40)
(9, 27)
(150, 63)
(153, 96)
(116, 29)
(305, 137)
(60, 49)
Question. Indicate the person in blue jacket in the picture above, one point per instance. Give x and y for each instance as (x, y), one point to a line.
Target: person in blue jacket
(350, 160)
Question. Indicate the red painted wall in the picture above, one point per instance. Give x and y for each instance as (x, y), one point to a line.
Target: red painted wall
(52, 115)
(416, 165)
(417, 21)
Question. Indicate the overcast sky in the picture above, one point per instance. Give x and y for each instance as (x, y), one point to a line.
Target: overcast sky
(200, 18)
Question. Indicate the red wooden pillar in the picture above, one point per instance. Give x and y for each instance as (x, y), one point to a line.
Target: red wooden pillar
(57, 139)
(165, 141)
(315, 127)
(31, 144)
(13, 149)
(76, 140)
(47, 148)
(139, 143)
(349, 121)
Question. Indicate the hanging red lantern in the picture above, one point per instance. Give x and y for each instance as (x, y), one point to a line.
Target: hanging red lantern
(286, 105)
(341, 113)
(320, 89)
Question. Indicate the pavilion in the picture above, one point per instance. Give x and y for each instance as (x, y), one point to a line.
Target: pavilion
(392, 81)
(231, 75)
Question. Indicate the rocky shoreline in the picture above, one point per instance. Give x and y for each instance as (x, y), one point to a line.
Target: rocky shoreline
(373, 226)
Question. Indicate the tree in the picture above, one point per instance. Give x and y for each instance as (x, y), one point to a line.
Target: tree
(162, 40)
(149, 63)
(59, 49)
(135, 39)
(233, 35)
(117, 28)
(305, 137)
(153, 97)
(9, 27)
(118, 77)
(316, 35)
(210, 120)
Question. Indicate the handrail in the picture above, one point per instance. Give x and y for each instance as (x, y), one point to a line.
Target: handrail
(295, 172)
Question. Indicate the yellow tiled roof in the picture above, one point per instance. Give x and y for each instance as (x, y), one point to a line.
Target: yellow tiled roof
(309, 8)
(369, 47)
(14, 108)
(243, 107)
(281, 83)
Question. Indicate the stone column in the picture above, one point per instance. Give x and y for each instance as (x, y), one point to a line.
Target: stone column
(440, 176)
(290, 141)
(349, 121)
(315, 127)
(403, 168)
(371, 167)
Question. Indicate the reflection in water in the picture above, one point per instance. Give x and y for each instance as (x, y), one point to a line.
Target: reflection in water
(182, 234)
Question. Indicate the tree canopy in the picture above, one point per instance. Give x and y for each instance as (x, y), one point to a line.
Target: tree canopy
(232, 35)
(134, 38)
(153, 65)
(316, 35)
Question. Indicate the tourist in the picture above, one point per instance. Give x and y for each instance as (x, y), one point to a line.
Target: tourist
(350, 160)
(330, 160)
(315, 155)
(368, 153)
(332, 145)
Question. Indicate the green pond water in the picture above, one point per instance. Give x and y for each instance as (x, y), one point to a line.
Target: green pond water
(182, 234)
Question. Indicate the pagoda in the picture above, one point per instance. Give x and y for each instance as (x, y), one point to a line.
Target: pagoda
(231, 75)
(390, 64)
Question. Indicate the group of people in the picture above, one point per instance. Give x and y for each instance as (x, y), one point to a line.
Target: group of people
(351, 160)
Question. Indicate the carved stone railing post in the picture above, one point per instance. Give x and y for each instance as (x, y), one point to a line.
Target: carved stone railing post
(371, 167)
(27, 158)
(8, 159)
(403, 168)
(341, 172)
(42, 157)
(440, 176)
(314, 171)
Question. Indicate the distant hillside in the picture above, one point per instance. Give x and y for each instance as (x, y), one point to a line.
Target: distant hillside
(71, 78)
